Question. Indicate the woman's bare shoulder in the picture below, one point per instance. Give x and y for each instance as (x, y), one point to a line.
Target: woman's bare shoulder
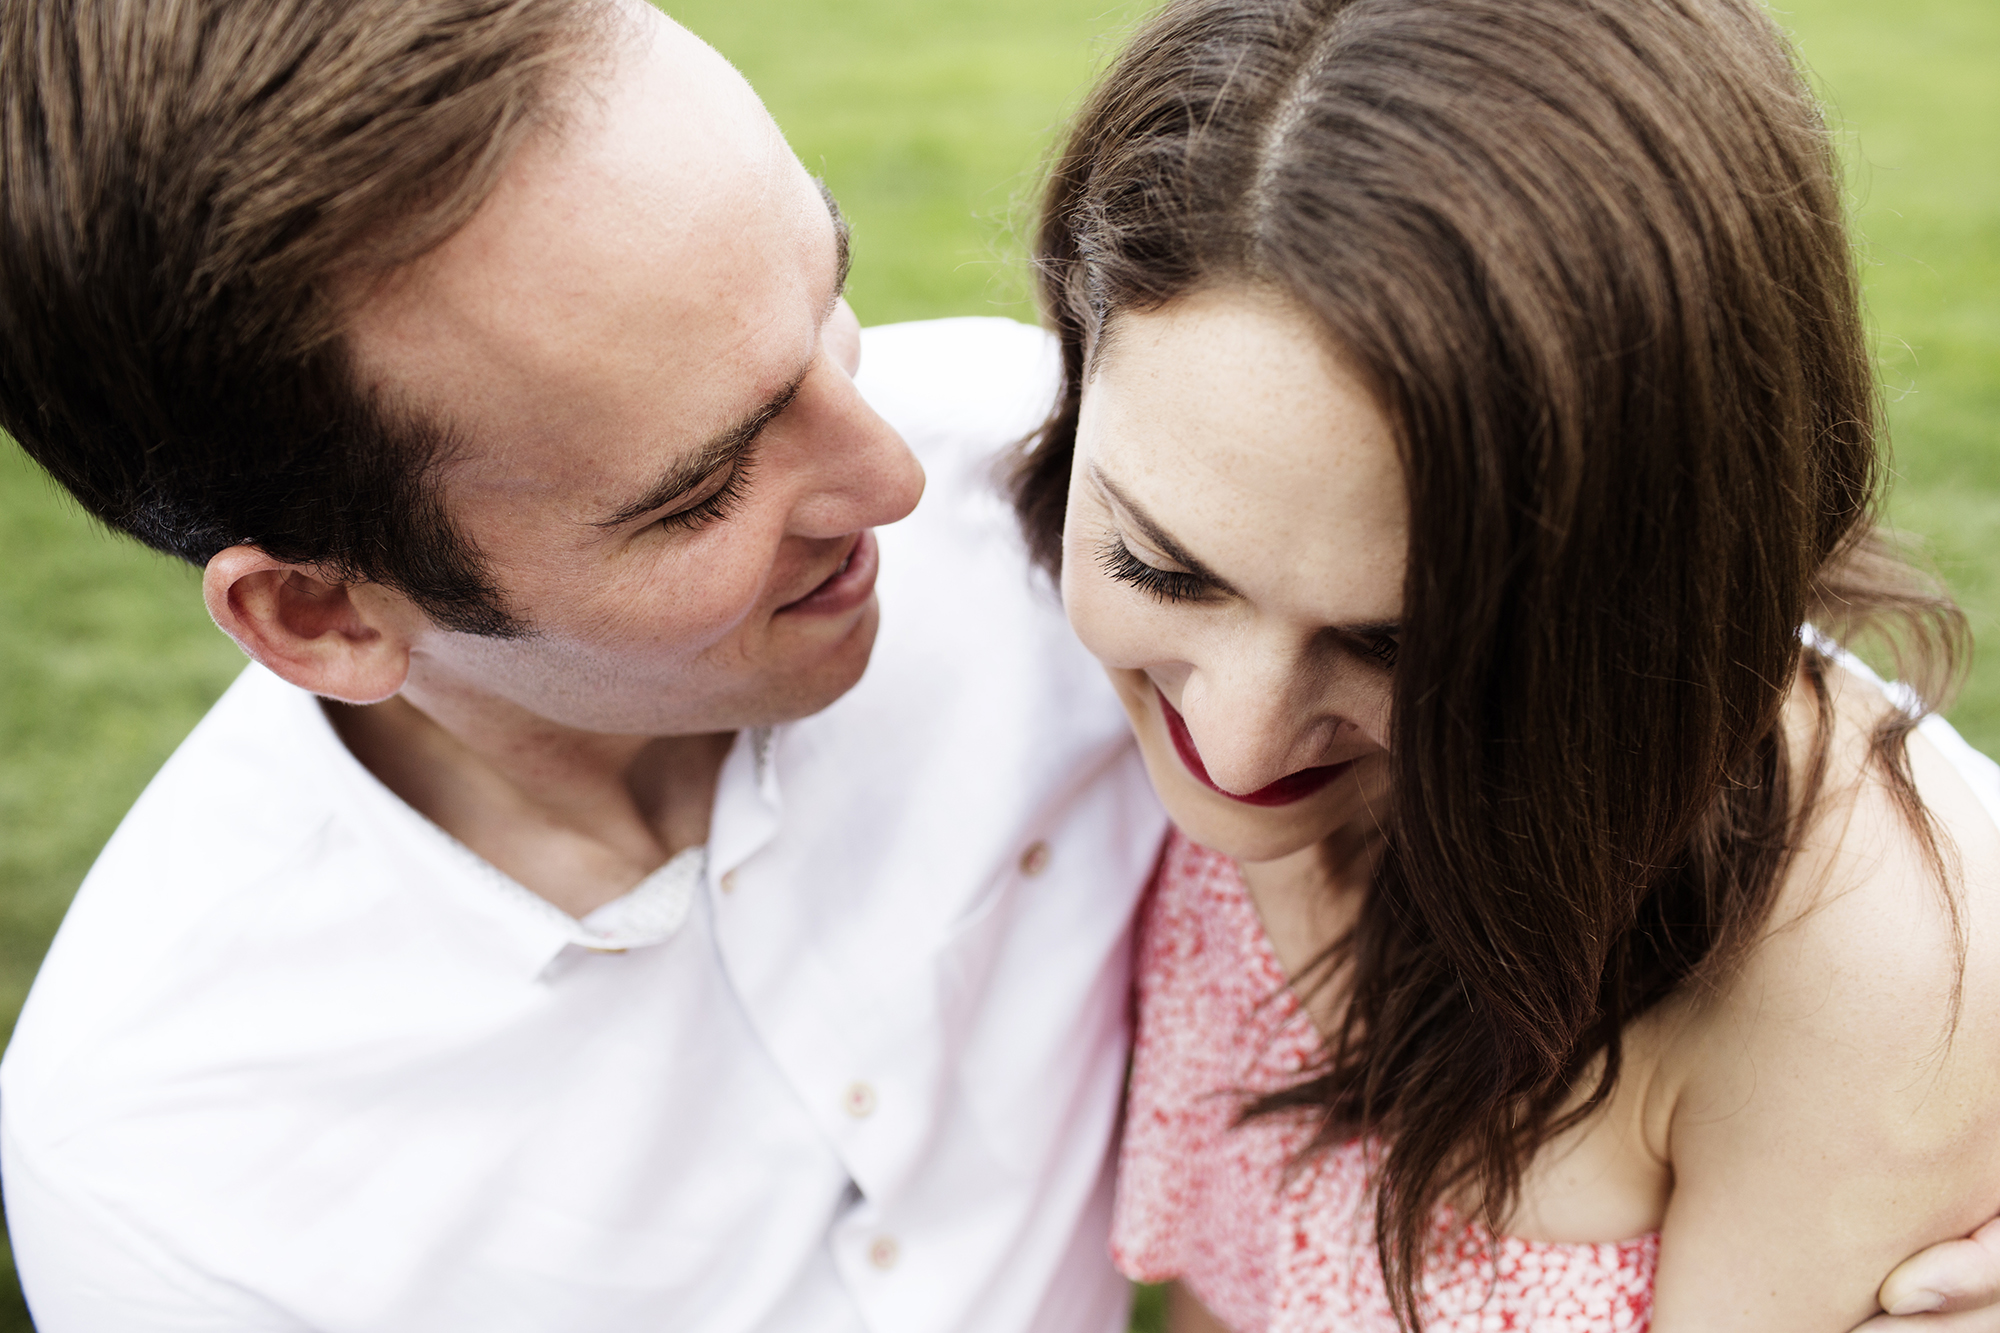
(1882, 951)
(1880, 934)
(1841, 1086)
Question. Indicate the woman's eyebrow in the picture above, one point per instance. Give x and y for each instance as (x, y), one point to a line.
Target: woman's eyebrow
(1150, 528)
(1157, 535)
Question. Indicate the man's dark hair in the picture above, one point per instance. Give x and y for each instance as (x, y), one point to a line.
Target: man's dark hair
(188, 189)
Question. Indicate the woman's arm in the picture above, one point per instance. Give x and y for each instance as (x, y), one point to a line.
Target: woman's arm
(1828, 1120)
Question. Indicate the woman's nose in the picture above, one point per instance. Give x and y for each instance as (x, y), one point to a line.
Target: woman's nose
(1251, 727)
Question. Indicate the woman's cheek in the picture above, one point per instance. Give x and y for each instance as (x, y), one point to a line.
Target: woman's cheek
(1116, 624)
(1372, 717)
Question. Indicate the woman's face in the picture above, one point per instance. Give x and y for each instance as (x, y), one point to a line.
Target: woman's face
(1234, 555)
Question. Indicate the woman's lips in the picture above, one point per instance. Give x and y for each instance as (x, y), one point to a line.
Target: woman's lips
(1292, 787)
(850, 585)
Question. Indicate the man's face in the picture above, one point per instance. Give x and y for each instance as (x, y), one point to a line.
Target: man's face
(640, 342)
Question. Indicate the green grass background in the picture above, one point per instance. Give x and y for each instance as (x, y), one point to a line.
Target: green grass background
(929, 120)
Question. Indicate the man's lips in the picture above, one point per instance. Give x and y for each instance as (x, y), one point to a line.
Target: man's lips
(851, 583)
(1292, 787)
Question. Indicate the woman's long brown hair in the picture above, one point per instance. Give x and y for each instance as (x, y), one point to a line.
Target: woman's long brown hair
(1592, 255)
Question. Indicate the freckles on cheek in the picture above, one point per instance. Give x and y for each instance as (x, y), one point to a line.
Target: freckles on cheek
(1106, 616)
(1116, 622)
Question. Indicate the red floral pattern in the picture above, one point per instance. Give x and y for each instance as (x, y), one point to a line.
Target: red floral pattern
(1211, 1203)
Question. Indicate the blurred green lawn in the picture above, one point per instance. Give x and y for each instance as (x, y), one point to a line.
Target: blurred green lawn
(929, 119)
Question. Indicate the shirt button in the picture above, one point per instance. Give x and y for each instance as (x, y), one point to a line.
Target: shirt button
(729, 882)
(859, 1100)
(1036, 859)
(883, 1252)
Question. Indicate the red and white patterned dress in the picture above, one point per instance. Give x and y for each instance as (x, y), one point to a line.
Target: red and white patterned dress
(1210, 1203)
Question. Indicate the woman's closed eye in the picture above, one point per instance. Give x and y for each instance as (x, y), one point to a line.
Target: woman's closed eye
(1115, 558)
(1379, 649)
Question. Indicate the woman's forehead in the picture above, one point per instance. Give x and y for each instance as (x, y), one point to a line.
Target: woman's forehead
(1232, 421)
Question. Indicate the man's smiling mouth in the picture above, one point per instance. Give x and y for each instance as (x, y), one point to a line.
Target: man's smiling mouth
(850, 584)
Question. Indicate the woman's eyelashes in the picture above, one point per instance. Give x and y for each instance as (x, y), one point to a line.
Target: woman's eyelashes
(1379, 649)
(719, 503)
(1115, 558)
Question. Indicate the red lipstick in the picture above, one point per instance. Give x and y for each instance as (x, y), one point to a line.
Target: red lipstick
(1292, 787)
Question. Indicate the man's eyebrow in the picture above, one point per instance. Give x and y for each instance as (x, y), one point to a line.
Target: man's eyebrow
(1158, 535)
(727, 449)
(723, 450)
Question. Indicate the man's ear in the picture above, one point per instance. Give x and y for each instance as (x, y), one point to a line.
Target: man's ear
(344, 641)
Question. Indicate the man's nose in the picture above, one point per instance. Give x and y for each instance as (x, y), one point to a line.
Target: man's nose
(895, 479)
(865, 474)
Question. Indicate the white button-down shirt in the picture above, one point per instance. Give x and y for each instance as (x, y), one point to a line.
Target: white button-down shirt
(300, 1061)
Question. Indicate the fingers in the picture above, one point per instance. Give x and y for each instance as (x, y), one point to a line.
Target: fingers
(1957, 1277)
(1985, 1320)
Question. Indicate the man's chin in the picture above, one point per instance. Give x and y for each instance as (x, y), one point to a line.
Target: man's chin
(811, 688)
(796, 677)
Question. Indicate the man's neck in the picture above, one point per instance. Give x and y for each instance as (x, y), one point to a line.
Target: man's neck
(578, 817)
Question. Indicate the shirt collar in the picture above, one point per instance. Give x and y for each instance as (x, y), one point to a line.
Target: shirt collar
(748, 802)
(537, 931)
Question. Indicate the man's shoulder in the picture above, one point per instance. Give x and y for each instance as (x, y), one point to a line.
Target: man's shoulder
(249, 783)
(244, 788)
(974, 383)
(244, 806)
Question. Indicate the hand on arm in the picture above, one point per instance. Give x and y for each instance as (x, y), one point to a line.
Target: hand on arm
(1949, 1288)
